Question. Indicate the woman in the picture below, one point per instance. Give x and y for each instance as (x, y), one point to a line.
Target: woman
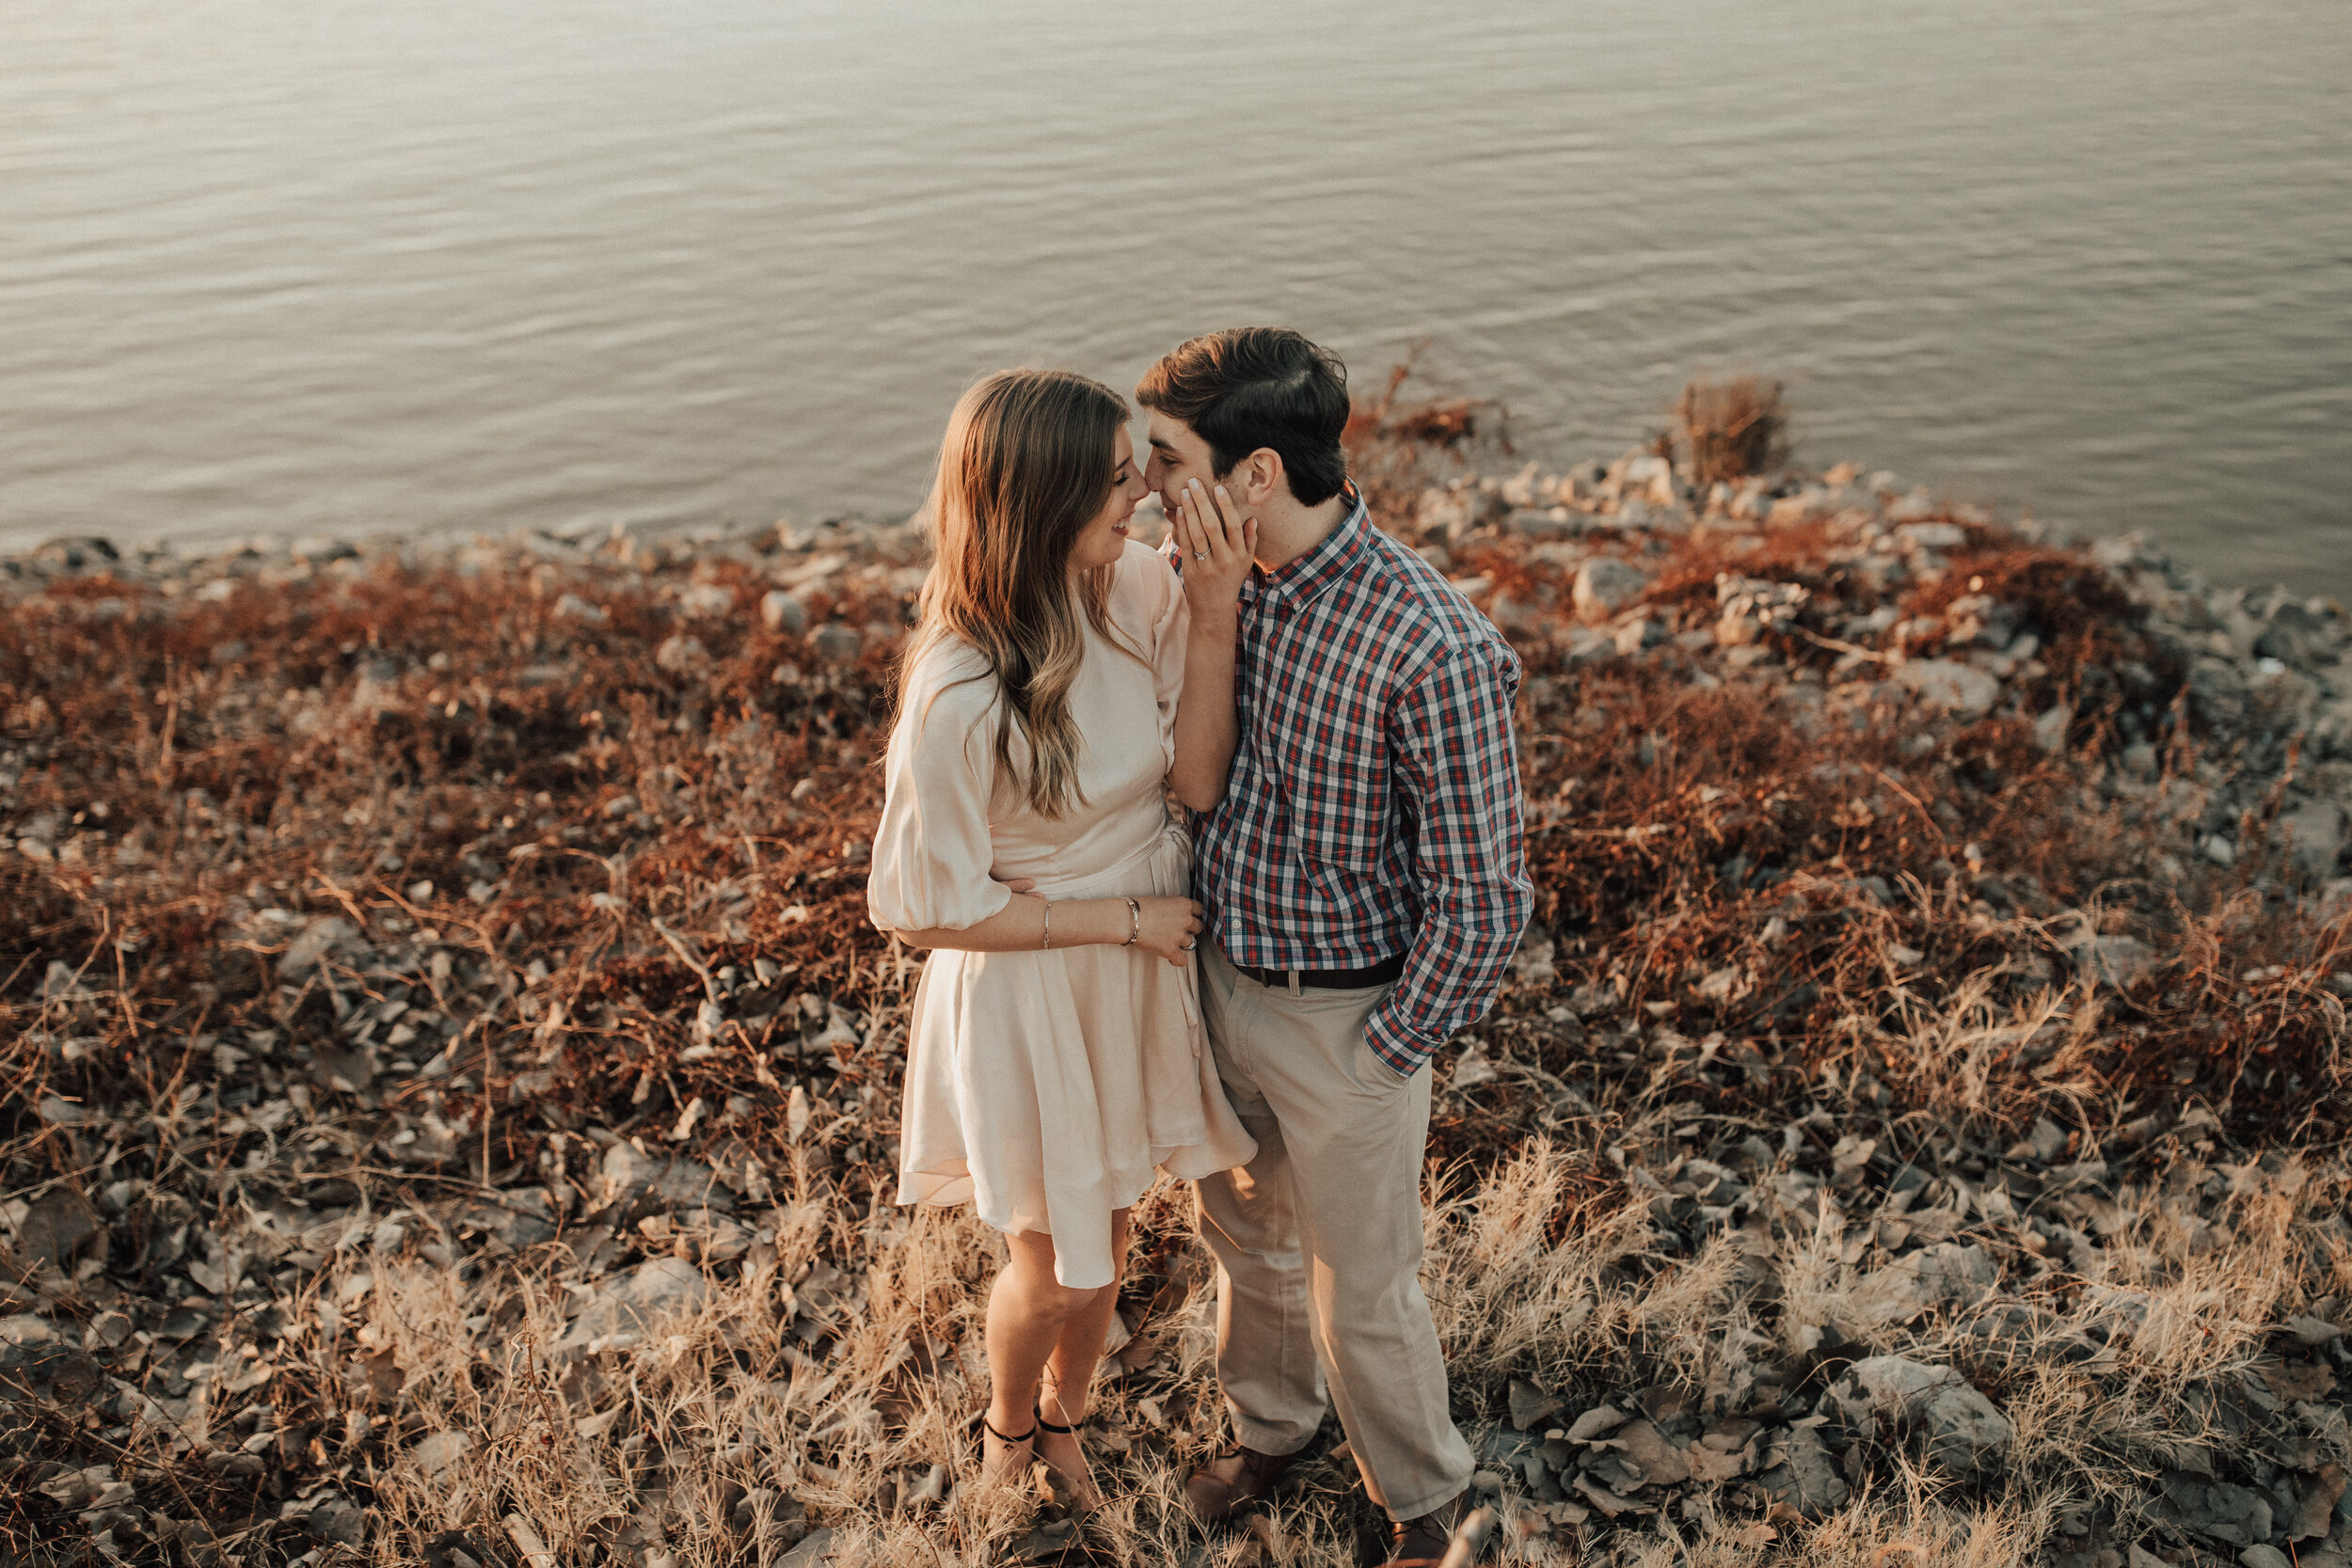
(1061, 680)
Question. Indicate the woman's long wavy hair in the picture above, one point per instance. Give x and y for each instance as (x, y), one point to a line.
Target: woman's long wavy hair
(1026, 464)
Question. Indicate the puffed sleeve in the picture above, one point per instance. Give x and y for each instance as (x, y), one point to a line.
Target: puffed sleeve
(931, 851)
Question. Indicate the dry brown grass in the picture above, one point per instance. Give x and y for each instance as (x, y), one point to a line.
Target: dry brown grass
(1732, 428)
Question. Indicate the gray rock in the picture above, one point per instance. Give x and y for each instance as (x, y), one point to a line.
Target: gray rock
(571, 606)
(1552, 523)
(337, 1519)
(657, 1287)
(681, 655)
(1512, 613)
(81, 552)
(2217, 693)
(1962, 687)
(2294, 635)
(1946, 1274)
(1588, 646)
(817, 1548)
(2045, 1143)
(2120, 962)
(2313, 836)
(314, 944)
(1891, 1394)
(1596, 1422)
(783, 612)
(1632, 637)
(1798, 1471)
(2313, 1331)
(2260, 1556)
(2318, 1498)
(1932, 536)
(436, 1453)
(1662, 1463)
(1531, 1405)
(1607, 585)
(701, 600)
(319, 549)
(59, 1225)
(2332, 732)
(835, 644)
(629, 1176)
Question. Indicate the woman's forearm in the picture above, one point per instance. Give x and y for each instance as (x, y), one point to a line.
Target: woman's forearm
(1206, 729)
(1021, 924)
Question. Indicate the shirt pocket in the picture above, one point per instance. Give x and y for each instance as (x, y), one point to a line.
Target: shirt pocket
(1338, 779)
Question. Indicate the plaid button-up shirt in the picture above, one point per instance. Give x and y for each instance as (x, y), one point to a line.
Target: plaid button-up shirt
(1373, 808)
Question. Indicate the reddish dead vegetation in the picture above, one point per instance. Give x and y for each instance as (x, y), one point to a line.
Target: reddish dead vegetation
(1672, 827)
(1781, 843)
(235, 756)
(1756, 896)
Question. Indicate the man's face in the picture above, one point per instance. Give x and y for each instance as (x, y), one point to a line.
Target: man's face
(1177, 456)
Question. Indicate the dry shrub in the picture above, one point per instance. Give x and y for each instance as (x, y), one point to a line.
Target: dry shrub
(1398, 448)
(1732, 428)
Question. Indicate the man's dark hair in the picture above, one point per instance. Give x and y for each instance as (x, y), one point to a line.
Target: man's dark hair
(1251, 386)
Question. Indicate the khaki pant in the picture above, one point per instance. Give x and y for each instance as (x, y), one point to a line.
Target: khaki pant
(1318, 1239)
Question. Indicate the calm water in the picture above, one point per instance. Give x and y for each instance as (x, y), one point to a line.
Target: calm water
(283, 265)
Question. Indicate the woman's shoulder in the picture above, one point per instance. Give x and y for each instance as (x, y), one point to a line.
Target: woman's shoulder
(948, 677)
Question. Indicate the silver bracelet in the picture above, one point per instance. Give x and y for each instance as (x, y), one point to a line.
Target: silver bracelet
(1049, 925)
(1135, 918)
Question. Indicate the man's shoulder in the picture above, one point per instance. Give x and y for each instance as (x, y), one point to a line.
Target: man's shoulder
(1430, 615)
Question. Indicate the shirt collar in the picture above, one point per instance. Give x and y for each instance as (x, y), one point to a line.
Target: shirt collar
(1299, 581)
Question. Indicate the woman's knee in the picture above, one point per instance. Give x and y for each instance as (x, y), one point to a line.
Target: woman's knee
(1032, 1273)
(1076, 1302)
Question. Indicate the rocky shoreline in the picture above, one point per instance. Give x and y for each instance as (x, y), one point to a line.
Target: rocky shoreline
(452, 1098)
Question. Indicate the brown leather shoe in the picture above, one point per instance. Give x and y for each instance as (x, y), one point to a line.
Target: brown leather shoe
(1421, 1543)
(1235, 1477)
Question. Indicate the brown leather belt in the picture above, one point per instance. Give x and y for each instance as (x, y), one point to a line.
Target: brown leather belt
(1327, 979)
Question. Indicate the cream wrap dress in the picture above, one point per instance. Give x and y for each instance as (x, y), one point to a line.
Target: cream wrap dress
(1045, 1085)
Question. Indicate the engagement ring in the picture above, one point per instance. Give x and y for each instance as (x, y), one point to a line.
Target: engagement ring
(1201, 555)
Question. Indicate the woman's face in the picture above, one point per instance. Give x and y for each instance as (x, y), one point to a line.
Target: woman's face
(1104, 538)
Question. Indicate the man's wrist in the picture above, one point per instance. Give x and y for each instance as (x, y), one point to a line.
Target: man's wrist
(1403, 1050)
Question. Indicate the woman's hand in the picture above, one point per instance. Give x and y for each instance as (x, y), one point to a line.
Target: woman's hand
(1217, 543)
(1170, 926)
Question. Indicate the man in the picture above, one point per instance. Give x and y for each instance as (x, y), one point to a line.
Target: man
(1364, 883)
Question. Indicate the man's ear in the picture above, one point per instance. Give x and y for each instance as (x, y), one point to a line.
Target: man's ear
(1261, 476)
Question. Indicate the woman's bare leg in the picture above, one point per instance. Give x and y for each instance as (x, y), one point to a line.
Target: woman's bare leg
(1068, 1374)
(1029, 1312)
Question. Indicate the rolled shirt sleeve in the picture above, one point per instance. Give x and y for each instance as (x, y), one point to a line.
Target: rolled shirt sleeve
(1456, 768)
(931, 849)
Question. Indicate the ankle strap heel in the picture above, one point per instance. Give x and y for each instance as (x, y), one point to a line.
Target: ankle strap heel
(1021, 1438)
